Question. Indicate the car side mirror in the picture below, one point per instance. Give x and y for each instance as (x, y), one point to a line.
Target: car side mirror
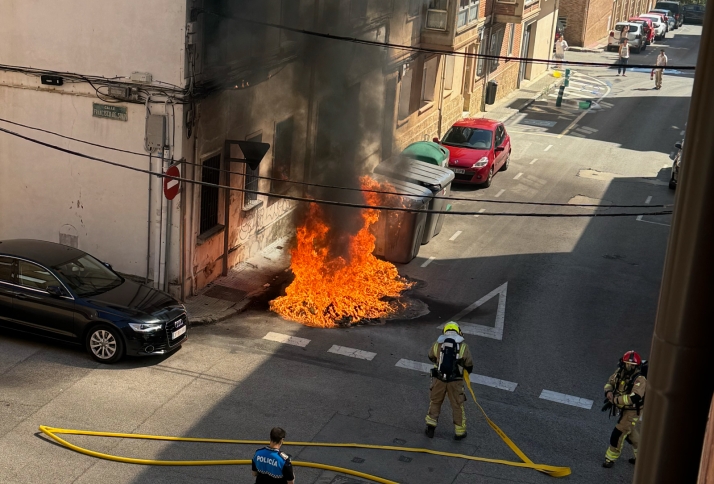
(109, 266)
(678, 146)
(55, 291)
(435, 140)
(499, 148)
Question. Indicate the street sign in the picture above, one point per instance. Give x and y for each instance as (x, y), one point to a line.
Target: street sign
(108, 111)
(250, 152)
(171, 185)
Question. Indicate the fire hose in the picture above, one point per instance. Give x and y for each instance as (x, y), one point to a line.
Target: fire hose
(53, 433)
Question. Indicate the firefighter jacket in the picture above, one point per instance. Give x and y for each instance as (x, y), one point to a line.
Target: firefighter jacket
(628, 390)
(464, 359)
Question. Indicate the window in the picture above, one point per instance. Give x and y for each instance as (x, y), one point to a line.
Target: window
(282, 155)
(405, 92)
(476, 138)
(428, 82)
(210, 173)
(495, 49)
(358, 9)
(6, 274)
(87, 276)
(290, 17)
(510, 39)
(480, 68)
(35, 277)
(500, 135)
(468, 12)
(437, 15)
(250, 179)
(449, 72)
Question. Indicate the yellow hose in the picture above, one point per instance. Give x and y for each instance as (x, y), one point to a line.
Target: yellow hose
(553, 471)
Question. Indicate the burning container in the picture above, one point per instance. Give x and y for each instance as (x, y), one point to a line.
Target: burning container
(399, 234)
(435, 178)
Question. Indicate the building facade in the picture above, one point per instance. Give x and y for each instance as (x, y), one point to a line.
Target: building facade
(588, 22)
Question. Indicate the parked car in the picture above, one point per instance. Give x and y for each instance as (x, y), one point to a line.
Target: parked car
(693, 14)
(676, 9)
(478, 149)
(61, 292)
(660, 27)
(647, 27)
(635, 37)
(667, 16)
(676, 165)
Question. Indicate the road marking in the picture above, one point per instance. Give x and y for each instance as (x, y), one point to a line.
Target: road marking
(548, 147)
(287, 339)
(480, 379)
(453, 237)
(494, 332)
(534, 160)
(428, 261)
(352, 352)
(639, 218)
(500, 193)
(518, 176)
(480, 211)
(648, 200)
(566, 399)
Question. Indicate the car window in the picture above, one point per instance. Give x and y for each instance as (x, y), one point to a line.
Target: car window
(499, 136)
(470, 137)
(34, 276)
(87, 276)
(6, 270)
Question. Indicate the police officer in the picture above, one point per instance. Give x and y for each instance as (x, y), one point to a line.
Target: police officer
(451, 356)
(625, 389)
(272, 466)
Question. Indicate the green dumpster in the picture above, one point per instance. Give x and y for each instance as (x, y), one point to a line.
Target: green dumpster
(428, 152)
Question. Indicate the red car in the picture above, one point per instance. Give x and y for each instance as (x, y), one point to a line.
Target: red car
(649, 27)
(478, 149)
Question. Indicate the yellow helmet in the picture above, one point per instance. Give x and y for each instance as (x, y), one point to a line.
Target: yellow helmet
(452, 326)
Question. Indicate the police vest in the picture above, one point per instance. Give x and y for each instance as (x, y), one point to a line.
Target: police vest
(270, 461)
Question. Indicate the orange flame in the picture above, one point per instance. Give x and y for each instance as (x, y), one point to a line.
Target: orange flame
(331, 290)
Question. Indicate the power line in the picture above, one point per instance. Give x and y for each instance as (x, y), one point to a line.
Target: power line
(426, 50)
(325, 202)
(319, 185)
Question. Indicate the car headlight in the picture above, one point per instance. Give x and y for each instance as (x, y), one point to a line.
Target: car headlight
(145, 327)
(480, 163)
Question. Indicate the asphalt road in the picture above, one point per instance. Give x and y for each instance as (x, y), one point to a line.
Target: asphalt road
(574, 295)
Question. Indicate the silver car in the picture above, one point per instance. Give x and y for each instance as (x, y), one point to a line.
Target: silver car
(635, 37)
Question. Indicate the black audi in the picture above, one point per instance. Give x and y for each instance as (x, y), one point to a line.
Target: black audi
(61, 292)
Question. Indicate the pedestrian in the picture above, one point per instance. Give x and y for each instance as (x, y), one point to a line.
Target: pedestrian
(658, 71)
(560, 47)
(270, 465)
(625, 391)
(451, 356)
(624, 53)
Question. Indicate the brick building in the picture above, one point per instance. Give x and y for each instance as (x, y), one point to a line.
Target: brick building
(587, 22)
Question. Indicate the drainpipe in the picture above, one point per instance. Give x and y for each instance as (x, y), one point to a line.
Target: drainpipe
(441, 94)
(148, 224)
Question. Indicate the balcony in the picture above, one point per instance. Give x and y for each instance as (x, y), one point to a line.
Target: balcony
(516, 11)
(450, 23)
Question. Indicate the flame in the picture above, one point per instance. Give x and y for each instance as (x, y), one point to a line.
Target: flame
(329, 290)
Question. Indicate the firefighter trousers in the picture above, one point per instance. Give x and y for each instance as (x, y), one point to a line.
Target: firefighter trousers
(454, 390)
(626, 429)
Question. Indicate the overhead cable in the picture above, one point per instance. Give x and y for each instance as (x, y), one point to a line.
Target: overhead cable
(328, 202)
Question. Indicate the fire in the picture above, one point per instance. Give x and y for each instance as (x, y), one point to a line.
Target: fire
(328, 290)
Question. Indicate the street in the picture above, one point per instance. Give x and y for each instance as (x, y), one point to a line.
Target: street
(566, 298)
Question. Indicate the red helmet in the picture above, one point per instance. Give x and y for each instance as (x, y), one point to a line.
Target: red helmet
(632, 357)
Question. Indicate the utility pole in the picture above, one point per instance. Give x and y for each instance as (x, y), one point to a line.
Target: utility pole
(681, 379)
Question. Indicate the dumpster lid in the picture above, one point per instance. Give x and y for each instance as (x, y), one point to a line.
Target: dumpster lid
(428, 152)
(418, 195)
(415, 171)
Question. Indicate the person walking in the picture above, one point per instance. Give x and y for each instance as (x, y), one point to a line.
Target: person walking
(270, 465)
(560, 47)
(624, 53)
(625, 391)
(659, 70)
(451, 356)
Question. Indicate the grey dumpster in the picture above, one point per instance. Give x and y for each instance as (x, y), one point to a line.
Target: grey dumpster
(398, 234)
(435, 178)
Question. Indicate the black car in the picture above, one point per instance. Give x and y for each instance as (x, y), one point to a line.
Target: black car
(694, 14)
(64, 293)
(676, 9)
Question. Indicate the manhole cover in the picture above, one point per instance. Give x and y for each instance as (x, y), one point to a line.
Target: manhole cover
(226, 293)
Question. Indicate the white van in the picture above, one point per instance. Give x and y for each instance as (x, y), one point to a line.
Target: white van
(635, 37)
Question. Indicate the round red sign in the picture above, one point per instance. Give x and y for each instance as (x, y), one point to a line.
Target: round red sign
(171, 185)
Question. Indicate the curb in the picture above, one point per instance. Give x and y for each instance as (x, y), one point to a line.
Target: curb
(530, 101)
(221, 316)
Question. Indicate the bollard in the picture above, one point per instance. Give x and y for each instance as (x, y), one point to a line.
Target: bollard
(559, 101)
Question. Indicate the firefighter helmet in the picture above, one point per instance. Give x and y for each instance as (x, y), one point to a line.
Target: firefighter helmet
(452, 326)
(632, 357)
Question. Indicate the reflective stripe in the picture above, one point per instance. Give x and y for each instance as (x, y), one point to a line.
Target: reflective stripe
(625, 400)
(610, 455)
(461, 351)
(431, 421)
(461, 429)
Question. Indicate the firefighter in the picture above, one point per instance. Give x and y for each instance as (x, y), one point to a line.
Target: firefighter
(451, 356)
(625, 391)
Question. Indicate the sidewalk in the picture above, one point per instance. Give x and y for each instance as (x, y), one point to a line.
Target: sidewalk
(520, 99)
(233, 294)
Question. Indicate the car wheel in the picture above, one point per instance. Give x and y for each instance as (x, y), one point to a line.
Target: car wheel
(672, 184)
(508, 162)
(489, 179)
(105, 344)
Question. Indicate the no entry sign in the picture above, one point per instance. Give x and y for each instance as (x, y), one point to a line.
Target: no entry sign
(171, 185)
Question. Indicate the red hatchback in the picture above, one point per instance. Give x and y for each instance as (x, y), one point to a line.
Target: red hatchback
(478, 149)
